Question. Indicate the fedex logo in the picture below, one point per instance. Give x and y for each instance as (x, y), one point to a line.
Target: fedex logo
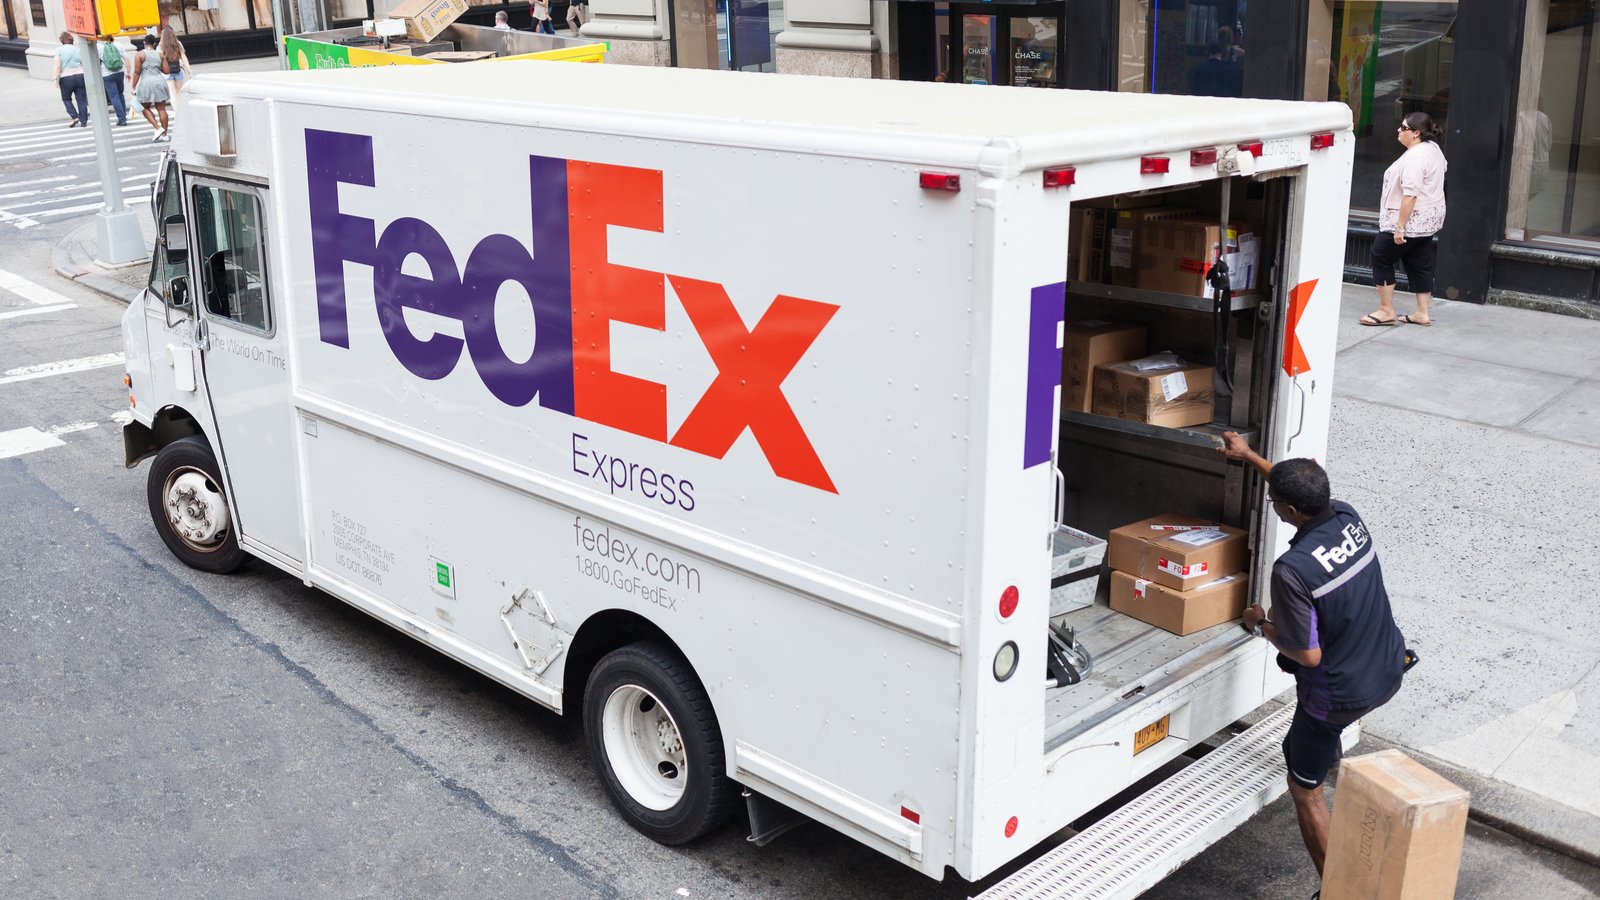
(1355, 537)
(576, 293)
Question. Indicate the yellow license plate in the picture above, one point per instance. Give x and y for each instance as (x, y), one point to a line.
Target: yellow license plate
(1151, 734)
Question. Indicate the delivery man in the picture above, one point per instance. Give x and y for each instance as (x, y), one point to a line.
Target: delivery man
(1331, 623)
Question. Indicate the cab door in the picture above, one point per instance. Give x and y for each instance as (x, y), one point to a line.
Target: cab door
(242, 342)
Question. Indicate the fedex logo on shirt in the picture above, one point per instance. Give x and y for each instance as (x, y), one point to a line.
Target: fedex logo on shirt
(1355, 537)
(576, 293)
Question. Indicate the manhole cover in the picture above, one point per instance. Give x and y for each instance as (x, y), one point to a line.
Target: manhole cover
(29, 166)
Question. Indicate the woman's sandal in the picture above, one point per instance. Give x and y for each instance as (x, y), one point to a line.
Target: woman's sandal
(1374, 321)
(1410, 321)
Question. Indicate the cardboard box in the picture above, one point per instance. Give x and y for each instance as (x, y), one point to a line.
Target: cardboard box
(1176, 253)
(426, 18)
(1397, 831)
(1181, 612)
(1086, 245)
(1172, 397)
(1177, 551)
(1091, 343)
(1126, 238)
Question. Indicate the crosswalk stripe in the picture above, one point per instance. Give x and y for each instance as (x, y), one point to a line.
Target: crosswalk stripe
(36, 310)
(78, 136)
(88, 207)
(27, 290)
(63, 188)
(64, 367)
(19, 221)
(28, 439)
(95, 192)
(129, 145)
(49, 180)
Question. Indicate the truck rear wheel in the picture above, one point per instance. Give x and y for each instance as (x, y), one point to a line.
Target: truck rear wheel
(655, 743)
(190, 508)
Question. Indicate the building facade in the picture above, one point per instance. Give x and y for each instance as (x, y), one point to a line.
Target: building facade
(1524, 151)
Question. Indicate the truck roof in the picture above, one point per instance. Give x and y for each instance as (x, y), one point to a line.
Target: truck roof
(892, 120)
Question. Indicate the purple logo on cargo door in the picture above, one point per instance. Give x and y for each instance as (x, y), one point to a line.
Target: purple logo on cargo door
(1045, 315)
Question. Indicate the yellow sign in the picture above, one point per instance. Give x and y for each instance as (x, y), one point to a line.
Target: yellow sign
(110, 18)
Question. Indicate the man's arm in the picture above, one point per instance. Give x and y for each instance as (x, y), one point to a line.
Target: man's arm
(1235, 447)
(1292, 627)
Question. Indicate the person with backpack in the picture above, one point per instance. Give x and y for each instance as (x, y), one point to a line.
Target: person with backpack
(174, 61)
(114, 73)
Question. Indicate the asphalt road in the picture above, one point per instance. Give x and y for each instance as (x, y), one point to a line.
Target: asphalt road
(169, 733)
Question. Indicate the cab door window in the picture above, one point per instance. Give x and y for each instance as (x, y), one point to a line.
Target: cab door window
(229, 241)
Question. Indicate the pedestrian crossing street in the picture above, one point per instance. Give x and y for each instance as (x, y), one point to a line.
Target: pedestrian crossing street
(49, 173)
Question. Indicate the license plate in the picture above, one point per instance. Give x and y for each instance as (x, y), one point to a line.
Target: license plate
(1151, 734)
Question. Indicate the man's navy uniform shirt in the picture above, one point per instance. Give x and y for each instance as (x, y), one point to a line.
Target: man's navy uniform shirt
(1327, 593)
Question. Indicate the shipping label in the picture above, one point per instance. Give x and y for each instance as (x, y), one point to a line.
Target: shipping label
(1193, 570)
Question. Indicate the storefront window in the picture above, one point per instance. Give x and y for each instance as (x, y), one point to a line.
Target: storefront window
(1384, 60)
(1555, 181)
(977, 41)
(1033, 52)
(1182, 47)
(16, 18)
(194, 17)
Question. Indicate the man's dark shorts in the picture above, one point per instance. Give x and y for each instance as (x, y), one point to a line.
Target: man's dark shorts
(1311, 749)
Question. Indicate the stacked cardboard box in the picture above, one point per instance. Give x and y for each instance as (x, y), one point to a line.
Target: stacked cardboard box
(1127, 243)
(1176, 253)
(1172, 396)
(426, 18)
(1091, 343)
(1178, 572)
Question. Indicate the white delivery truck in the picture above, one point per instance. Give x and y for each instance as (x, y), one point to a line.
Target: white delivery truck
(723, 411)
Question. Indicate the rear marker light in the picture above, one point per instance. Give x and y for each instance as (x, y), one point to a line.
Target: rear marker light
(1063, 177)
(1253, 148)
(1011, 826)
(1322, 141)
(1153, 165)
(127, 381)
(1005, 661)
(940, 181)
(1203, 157)
(911, 815)
(1008, 601)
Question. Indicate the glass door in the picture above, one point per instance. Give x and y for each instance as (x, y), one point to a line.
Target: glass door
(993, 44)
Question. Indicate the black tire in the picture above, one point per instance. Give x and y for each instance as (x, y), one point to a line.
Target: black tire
(188, 463)
(637, 675)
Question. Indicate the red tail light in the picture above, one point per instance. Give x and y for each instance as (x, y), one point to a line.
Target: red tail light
(1203, 157)
(1008, 601)
(1253, 148)
(1322, 141)
(1063, 177)
(940, 181)
(1153, 165)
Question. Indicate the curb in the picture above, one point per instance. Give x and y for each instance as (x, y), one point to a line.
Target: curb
(1521, 814)
(68, 265)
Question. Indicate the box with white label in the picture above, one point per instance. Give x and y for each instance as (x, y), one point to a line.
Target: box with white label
(1176, 551)
(1180, 612)
(1171, 396)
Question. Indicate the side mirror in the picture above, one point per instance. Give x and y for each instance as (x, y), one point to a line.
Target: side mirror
(178, 291)
(175, 239)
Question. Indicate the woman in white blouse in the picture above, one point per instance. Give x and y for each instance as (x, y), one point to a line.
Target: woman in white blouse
(1410, 213)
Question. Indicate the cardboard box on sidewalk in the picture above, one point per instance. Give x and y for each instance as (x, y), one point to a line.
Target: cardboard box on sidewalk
(1180, 612)
(1171, 397)
(426, 18)
(1090, 343)
(1177, 551)
(1397, 832)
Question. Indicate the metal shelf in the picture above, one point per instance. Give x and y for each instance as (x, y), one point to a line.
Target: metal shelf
(1159, 298)
(1202, 441)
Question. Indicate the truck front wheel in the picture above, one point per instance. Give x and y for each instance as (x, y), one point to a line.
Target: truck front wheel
(656, 744)
(190, 508)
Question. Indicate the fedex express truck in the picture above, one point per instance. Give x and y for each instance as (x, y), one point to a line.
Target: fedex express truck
(725, 412)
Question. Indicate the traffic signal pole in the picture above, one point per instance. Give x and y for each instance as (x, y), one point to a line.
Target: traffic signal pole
(116, 227)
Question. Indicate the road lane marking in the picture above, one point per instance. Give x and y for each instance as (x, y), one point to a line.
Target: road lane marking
(87, 207)
(27, 290)
(95, 191)
(19, 221)
(36, 310)
(18, 441)
(64, 367)
(63, 188)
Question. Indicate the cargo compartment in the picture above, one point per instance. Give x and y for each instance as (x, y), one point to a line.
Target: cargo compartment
(1140, 444)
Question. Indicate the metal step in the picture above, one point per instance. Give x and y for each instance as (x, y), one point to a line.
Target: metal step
(1130, 850)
